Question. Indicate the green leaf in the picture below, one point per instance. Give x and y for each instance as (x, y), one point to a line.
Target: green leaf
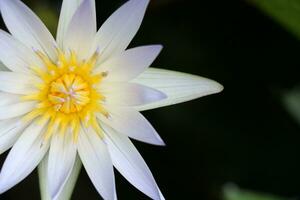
(291, 101)
(48, 15)
(286, 12)
(232, 192)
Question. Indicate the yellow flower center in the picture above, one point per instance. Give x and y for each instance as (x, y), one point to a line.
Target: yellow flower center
(67, 94)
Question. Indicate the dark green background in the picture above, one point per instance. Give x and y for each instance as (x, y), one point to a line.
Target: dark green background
(243, 135)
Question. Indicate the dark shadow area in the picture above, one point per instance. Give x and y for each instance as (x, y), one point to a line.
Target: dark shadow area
(242, 135)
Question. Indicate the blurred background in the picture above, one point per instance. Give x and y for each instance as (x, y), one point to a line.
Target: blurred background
(241, 144)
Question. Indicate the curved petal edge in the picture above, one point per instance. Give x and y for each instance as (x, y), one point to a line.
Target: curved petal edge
(179, 87)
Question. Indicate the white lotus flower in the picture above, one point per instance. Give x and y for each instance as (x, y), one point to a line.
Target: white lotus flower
(77, 99)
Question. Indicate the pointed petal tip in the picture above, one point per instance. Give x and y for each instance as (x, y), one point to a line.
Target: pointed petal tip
(154, 95)
(158, 47)
(162, 95)
(178, 86)
(217, 87)
(159, 141)
(163, 144)
(212, 86)
(161, 196)
(96, 160)
(128, 161)
(156, 141)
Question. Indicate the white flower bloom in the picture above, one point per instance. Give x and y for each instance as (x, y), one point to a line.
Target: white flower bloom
(77, 98)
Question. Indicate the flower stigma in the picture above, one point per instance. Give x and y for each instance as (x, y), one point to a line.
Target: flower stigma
(66, 94)
(69, 93)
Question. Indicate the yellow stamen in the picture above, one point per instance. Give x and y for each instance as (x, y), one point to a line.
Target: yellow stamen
(67, 98)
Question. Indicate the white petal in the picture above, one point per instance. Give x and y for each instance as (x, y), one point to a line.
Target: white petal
(129, 94)
(7, 98)
(63, 149)
(130, 163)
(10, 131)
(130, 63)
(24, 25)
(179, 87)
(23, 157)
(17, 83)
(82, 29)
(68, 188)
(130, 122)
(15, 110)
(119, 29)
(161, 196)
(67, 11)
(16, 56)
(97, 163)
